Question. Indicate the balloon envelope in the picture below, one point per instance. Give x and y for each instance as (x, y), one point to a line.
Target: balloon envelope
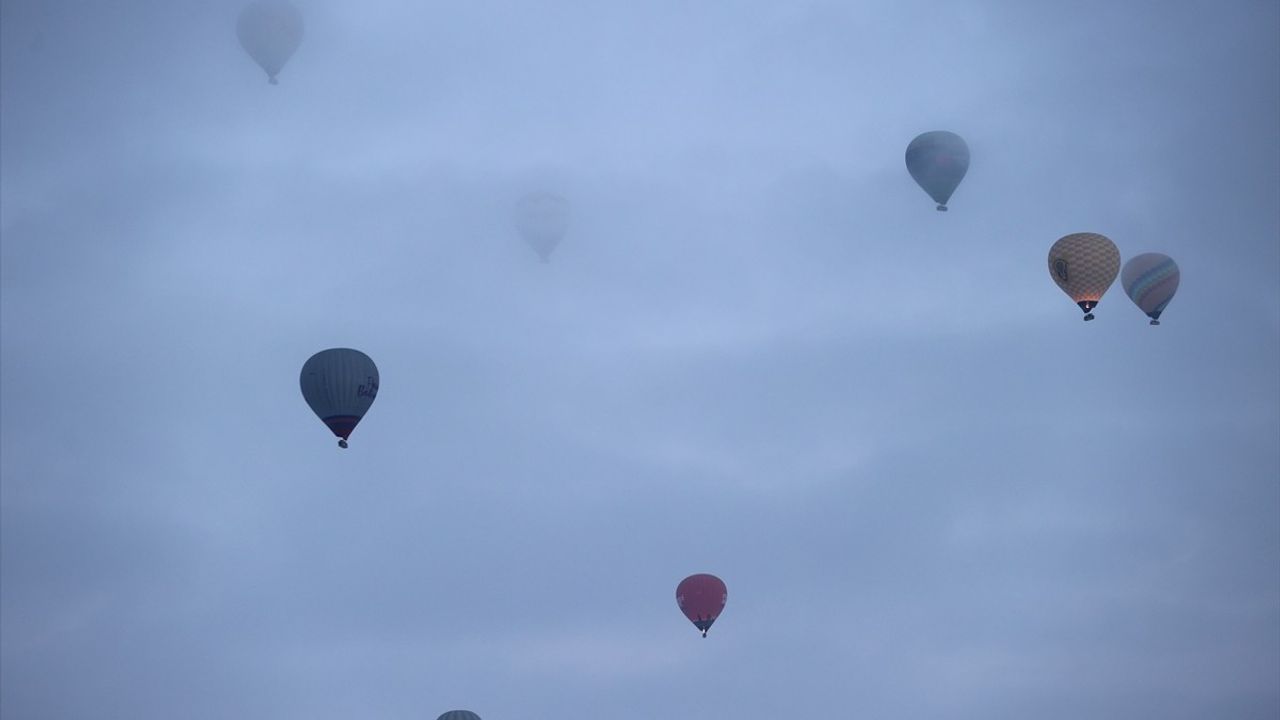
(701, 598)
(938, 161)
(542, 219)
(459, 715)
(1084, 265)
(340, 384)
(1150, 280)
(270, 31)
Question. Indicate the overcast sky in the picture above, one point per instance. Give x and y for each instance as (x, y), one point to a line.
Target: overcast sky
(932, 490)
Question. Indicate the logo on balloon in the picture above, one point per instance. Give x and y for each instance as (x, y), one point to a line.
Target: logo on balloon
(1060, 269)
(368, 389)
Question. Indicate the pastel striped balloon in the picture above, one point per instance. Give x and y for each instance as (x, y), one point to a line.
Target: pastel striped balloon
(1084, 265)
(340, 384)
(1150, 280)
(459, 715)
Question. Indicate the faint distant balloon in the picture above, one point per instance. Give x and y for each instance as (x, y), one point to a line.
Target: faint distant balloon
(1150, 280)
(701, 598)
(340, 384)
(1084, 265)
(270, 31)
(938, 161)
(459, 715)
(542, 218)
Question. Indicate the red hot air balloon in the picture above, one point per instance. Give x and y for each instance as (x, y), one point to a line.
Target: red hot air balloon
(701, 598)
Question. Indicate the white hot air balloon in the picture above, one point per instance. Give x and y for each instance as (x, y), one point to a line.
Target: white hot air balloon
(270, 31)
(340, 384)
(542, 219)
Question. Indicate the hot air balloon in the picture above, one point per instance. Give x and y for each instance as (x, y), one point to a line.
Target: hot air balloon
(701, 598)
(459, 715)
(270, 31)
(1150, 280)
(542, 218)
(1084, 265)
(340, 384)
(938, 161)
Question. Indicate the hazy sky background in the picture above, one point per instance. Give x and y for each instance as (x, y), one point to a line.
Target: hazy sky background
(932, 490)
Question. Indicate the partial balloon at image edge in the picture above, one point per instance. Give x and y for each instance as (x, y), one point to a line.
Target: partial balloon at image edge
(270, 31)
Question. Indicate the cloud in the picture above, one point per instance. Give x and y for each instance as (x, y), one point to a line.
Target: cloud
(932, 489)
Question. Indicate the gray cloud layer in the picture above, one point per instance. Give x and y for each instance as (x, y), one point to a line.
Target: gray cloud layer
(932, 490)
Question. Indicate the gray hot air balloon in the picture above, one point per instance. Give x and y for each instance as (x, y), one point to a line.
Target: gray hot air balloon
(938, 161)
(542, 218)
(270, 31)
(1150, 280)
(340, 384)
(459, 715)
